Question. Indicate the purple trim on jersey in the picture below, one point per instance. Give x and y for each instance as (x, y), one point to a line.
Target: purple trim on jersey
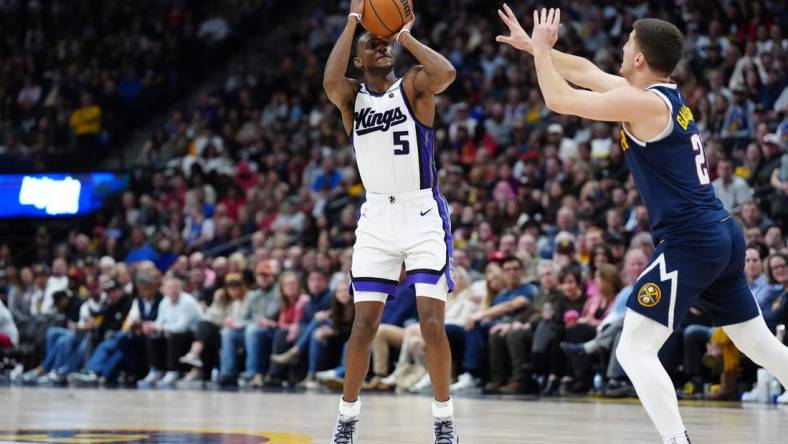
(424, 278)
(410, 108)
(426, 140)
(443, 210)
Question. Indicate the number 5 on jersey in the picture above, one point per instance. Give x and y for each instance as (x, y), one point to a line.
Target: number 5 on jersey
(401, 140)
(700, 160)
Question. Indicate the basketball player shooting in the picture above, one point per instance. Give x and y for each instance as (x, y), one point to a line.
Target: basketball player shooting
(405, 218)
(699, 258)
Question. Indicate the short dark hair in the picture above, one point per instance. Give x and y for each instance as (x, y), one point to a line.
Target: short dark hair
(508, 259)
(661, 43)
(760, 247)
(572, 270)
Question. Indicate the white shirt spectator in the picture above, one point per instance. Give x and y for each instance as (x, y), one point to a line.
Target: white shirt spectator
(179, 317)
(732, 194)
(54, 283)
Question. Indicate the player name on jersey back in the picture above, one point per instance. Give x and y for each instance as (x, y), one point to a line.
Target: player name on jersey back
(394, 151)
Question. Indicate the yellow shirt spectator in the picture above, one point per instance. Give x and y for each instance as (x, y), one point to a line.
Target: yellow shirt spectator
(86, 120)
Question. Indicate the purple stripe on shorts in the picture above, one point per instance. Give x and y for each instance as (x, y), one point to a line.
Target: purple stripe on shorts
(423, 278)
(443, 210)
(377, 287)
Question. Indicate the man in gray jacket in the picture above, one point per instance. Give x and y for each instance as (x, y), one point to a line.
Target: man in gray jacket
(254, 330)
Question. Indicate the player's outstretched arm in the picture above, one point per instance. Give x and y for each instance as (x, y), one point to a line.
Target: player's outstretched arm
(340, 89)
(435, 72)
(622, 104)
(582, 72)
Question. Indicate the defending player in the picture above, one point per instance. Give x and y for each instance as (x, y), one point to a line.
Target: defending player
(699, 256)
(405, 218)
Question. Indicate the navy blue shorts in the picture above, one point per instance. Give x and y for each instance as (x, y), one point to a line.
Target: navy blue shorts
(702, 267)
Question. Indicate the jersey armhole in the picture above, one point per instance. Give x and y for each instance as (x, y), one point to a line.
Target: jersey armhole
(407, 104)
(669, 127)
(353, 110)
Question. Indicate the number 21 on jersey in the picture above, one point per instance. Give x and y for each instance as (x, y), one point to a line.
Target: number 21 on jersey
(700, 160)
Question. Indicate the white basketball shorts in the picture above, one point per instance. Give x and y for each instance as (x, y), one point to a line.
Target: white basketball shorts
(413, 228)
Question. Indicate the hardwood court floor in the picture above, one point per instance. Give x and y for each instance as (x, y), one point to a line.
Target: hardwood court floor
(301, 418)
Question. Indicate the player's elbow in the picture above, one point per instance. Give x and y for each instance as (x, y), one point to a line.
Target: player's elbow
(450, 74)
(442, 80)
(329, 84)
(555, 104)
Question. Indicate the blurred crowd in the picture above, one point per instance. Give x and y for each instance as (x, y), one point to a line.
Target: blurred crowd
(77, 75)
(227, 259)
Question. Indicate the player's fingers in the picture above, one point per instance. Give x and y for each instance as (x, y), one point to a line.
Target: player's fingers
(550, 14)
(536, 18)
(504, 18)
(504, 39)
(544, 16)
(509, 12)
(558, 16)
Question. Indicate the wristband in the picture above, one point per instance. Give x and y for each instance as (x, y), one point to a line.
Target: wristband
(400, 33)
(356, 15)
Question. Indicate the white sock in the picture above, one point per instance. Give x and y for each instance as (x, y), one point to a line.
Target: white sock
(443, 409)
(679, 438)
(349, 409)
(755, 340)
(637, 351)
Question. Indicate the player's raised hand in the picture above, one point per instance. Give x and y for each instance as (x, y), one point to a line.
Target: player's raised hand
(357, 7)
(406, 28)
(517, 37)
(546, 25)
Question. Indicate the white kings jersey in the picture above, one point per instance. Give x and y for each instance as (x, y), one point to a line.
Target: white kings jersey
(394, 151)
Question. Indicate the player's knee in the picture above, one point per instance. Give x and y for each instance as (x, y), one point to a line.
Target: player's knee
(365, 328)
(623, 354)
(432, 328)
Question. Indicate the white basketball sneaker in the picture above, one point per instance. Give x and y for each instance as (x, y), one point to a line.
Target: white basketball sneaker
(445, 431)
(346, 430)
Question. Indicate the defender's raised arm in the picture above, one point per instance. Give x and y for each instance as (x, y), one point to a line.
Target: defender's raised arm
(577, 70)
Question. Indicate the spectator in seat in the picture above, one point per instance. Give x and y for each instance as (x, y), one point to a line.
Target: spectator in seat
(596, 309)
(731, 190)
(316, 314)
(66, 346)
(228, 302)
(411, 370)
(253, 330)
(514, 298)
(485, 291)
(124, 354)
(170, 335)
(519, 339)
(330, 338)
(398, 313)
(609, 330)
(85, 121)
(292, 304)
(549, 361)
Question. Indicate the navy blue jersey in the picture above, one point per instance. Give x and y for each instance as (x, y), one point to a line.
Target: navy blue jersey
(670, 171)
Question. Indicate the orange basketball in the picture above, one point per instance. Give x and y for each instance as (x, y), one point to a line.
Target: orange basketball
(385, 17)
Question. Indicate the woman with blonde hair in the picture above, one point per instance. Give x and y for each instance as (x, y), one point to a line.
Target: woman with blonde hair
(227, 304)
(485, 291)
(292, 302)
